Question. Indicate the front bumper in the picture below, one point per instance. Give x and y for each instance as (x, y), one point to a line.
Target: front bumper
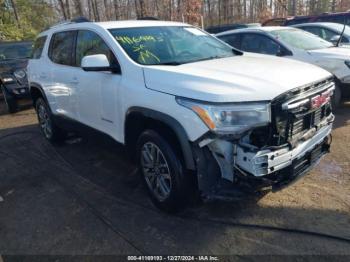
(297, 168)
(239, 168)
(18, 91)
(266, 162)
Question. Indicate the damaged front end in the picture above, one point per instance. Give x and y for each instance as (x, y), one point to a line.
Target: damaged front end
(271, 155)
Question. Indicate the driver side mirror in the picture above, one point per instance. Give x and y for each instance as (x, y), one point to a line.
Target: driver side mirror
(98, 63)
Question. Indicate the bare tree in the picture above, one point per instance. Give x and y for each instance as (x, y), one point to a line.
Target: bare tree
(14, 7)
(78, 7)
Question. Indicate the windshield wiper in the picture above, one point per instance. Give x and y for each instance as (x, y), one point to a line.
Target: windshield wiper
(207, 58)
(174, 63)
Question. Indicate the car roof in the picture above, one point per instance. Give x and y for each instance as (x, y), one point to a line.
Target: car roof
(137, 23)
(110, 24)
(255, 29)
(324, 24)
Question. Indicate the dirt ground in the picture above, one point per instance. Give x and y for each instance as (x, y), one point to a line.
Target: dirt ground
(86, 198)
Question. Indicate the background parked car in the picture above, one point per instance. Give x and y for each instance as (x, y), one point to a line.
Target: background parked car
(222, 28)
(326, 17)
(327, 31)
(13, 76)
(296, 44)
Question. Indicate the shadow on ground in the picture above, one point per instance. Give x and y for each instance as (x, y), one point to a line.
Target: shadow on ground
(86, 198)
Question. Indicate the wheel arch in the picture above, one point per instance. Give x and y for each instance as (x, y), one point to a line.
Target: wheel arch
(37, 91)
(139, 119)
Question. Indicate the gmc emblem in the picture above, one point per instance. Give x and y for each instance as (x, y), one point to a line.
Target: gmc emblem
(320, 100)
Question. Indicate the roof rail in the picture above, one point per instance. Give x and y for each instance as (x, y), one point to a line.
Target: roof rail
(80, 19)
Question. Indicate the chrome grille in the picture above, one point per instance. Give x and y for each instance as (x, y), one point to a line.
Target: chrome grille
(318, 116)
(298, 126)
(295, 113)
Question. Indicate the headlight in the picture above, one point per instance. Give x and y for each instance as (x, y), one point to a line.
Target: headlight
(232, 118)
(8, 79)
(19, 74)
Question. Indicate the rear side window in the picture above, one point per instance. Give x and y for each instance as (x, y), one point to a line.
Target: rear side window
(233, 40)
(89, 43)
(61, 47)
(256, 43)
(38, 47)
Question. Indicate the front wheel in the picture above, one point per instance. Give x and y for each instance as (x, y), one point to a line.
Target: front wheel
(51, 132)
(162, 172)
(10, 102)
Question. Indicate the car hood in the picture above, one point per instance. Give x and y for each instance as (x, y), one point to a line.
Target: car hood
(8, 66)
(342, 53)
(250, 77)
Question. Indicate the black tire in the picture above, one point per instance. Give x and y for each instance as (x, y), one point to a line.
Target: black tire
(10, 101)
(180, 184)
(49, 129)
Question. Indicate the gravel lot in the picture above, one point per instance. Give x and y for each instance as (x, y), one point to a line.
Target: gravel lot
(86, 198)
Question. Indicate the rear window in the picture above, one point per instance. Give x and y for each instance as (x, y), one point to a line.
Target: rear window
(15, 50)
(61, 48)
(38, 47)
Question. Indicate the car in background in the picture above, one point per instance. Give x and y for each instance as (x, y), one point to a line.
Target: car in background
(296, 44)
(341, 18)
(328, 31)
(222, 28)
(280, 21)
(275, 22)
(13, 77)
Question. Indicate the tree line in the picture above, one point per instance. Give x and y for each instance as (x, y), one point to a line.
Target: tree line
(23, 19)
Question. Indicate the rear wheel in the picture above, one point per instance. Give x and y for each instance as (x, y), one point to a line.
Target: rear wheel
(10, 101)
(49, 129)
(162, 172)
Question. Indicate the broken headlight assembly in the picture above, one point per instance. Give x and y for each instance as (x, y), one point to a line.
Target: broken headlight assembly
(230, 118)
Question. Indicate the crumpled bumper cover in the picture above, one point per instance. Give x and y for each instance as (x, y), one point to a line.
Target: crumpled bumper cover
(284, 166)
(267, 162)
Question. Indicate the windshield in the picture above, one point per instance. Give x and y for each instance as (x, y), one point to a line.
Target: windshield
(169, 45)
(15, 51)
(301, 39)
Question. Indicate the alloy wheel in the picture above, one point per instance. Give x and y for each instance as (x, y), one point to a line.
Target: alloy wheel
(156, 171)
(44, 121)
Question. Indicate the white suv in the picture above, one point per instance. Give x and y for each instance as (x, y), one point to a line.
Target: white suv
(197, 115)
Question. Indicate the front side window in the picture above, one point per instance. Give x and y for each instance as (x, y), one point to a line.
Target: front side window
(232, 40)
(170, 45)
(328, 34)
(300, 39)
(313, 30)
(61, 47)
(257, 43)
(89, 43)
(9, 51)
(38, 47)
